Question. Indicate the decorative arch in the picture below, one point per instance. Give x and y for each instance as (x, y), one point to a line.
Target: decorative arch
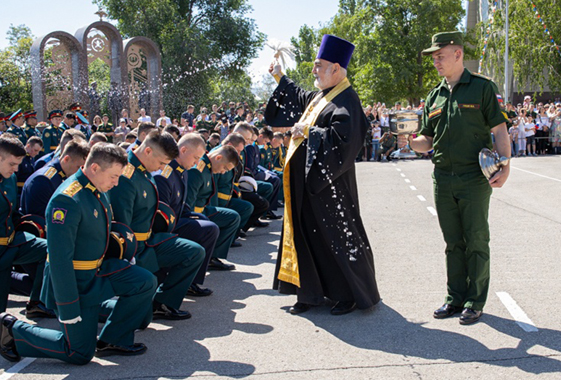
(154, 70)
(38, 75)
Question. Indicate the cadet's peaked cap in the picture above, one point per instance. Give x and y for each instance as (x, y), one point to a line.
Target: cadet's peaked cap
(55, 113)
(336, 50)
(82, 118)
(122, 242)
(30, 114)
(15, 115)
(440, 40)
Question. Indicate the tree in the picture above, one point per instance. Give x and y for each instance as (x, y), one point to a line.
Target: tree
(536, 63)
(15, 70)
(203, 42)
(389, 36)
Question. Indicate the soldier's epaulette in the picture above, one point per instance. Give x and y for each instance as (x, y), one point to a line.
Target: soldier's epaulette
(129, 170)
(72, 189)
(50, 173)
(167, 171)
(481, 76)
(201, 166)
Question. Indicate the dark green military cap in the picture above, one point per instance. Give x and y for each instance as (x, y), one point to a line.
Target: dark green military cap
(440, 40)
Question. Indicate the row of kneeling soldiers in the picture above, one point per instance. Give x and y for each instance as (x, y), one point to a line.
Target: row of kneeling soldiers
(122, 237)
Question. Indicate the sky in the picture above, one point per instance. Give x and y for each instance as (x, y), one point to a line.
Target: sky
(279, 20)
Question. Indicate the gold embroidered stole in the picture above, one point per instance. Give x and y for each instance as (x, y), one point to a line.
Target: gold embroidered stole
(289, 260)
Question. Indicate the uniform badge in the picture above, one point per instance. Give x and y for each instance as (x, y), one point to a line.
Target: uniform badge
(47, 134)
(95, 213)
(208, 183)
(59, 216)
(130, 236)
(144, 194)
(178, 194)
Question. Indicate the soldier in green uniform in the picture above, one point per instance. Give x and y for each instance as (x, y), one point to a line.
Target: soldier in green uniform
(30, 123)
(458, 118)
(260, 123)
(202, 123)
(135, 202)
(202, 198)
(16, 128)
(79, 277)
(107, 129)
(53, 133)
(239, 114)
(278, 150)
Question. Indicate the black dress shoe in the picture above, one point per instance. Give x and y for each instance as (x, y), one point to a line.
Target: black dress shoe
(196, 291)
(242, 234)
(299, 308)
(7, 342)
(272, 216)
(260, 224)
(236, 244)
(166, 312)
(108, 349)
(446, 311)
(37, 309)
(470, 316)
(216, 264)
(343, 307)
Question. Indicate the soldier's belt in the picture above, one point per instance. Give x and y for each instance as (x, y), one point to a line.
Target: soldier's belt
(199, 209)
(85, 264)
(225, 197)
(142, 236)
(7, 240)
(54, 147)
(20, 184)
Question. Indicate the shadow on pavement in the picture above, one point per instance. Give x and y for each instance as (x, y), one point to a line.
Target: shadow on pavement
(384, 329)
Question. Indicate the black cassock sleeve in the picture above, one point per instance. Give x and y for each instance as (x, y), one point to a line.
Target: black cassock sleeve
(286, 105)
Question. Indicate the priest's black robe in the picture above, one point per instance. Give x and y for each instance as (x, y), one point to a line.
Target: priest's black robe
(334, 255)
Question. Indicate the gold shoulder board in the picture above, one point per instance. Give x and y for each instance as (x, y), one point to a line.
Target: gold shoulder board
(50, 173)
(129, 171)
(72, 189)
(201, 166)
(167, 171)
(480, 76)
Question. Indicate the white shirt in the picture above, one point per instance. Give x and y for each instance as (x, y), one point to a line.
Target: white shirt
(159, 121)
(376, 133)
(143, 119)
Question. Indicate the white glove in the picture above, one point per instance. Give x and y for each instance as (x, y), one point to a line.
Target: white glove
(132, 261)
(72, 321)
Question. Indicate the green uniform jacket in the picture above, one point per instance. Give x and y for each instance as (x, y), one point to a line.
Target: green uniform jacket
(8, 205)
(78, 220)
(51, 138)
(106, 128)
(135, 202)
(279, 155)
(266, 156)
(30, 131)
(19, 132)
(460, 122)
(201, 190)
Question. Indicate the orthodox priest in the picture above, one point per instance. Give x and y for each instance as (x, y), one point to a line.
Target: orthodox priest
(324, 251)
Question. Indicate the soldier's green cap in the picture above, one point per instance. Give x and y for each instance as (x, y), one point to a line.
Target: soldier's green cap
(440, 40)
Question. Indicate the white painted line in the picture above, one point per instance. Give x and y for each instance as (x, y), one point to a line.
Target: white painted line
(407, 180)
(413, 188)
(432, 210)
(421, 198)
(539, 175)
(401, 174)
(16, 368)
(517, 313)
(398, 169)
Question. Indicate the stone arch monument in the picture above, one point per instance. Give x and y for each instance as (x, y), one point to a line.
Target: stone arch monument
(60, 75)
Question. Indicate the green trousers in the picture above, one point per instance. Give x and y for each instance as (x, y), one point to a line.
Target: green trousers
(76, 343)
(462, 204)
(229, 222)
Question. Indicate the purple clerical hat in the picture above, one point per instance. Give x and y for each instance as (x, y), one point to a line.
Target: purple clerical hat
(336, 50)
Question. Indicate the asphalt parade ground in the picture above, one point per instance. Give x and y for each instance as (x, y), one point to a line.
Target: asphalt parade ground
(244, 330)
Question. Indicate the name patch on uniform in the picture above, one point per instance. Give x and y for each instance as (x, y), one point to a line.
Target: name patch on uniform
(469, 106)
(59, 215)
(435, 112)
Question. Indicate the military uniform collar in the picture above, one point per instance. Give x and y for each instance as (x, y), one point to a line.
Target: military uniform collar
(175, 166)
(85, 181)
(205, 163)
(465, 78)
(55, 163)
(135, 161)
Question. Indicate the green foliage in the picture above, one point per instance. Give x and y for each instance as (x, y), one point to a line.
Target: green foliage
(205, 44)
(15, 71)
(389, 36)
(536, 63)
